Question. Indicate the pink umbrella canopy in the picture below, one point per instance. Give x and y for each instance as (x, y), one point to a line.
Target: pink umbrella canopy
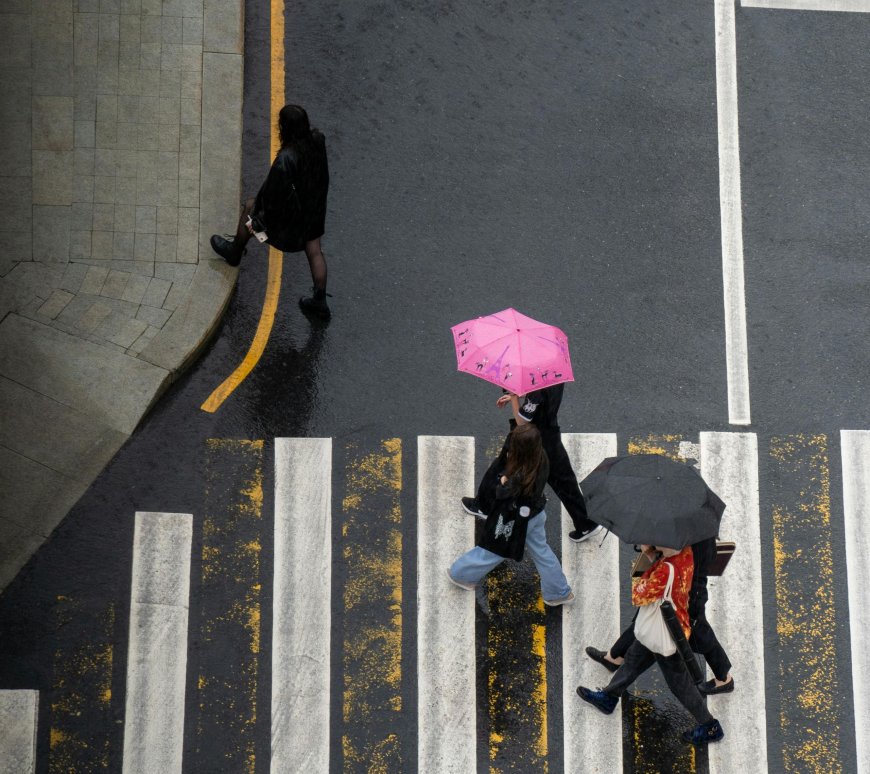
(513, 351)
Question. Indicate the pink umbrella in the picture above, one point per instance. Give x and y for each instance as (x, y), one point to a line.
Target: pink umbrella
(513, 351)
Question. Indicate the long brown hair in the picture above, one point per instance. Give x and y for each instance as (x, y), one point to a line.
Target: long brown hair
(525, 457)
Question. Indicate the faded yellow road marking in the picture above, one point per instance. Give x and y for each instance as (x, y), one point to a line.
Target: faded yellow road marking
(81, 695)
(228, 651)
(276, 257)
(372, 552)
(805, 605)
(653, 734)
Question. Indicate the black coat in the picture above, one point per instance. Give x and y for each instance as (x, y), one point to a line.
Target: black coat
(291, 204)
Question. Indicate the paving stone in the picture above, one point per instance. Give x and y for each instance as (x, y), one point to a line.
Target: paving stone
(128, 79)
(136, 287)
(149, 81)
(125, 217)
(104, 189)
(84, 134)
(52, 177)
(101, 245)
(83, 160)
(144, 247)
(79, 244)
(128, 109)
(188, 192)
(87, 36)
(15, 38)
(188, 165)
(191, 112)
(15, 149)
(146, 219)
(55, 304)
(122, 246)
(83, 189)
(54, 80)
(74, 277)
(52, 123)
(51, 233)
(143, 268)
(167, 192)
(110, 6)
(126, 190)
(192, 31)
(153, 316)
(94, 316)
(131, 7)
(190, 141)
(104, 217)
(167, 165)
(115, 284)
(127, 162)
(175, 296)
(143, 341)
(129, 331)
(106, 135)
(93, 280)
(146, 190)
(167, 220)
(110, 27)
(85, 101)
(171, 29)
(148, 138)
(166, 247)
(168, 140)
(191, 87)
(150, 56)
(170, 108)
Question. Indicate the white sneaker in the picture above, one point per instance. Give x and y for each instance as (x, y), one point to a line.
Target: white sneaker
(566, 600)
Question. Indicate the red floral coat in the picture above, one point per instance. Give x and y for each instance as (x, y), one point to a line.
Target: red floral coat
(650, 586)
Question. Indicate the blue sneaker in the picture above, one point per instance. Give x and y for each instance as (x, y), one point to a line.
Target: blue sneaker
(598, 699)
(707, 732)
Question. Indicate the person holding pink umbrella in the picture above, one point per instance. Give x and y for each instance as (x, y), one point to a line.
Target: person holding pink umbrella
(529, 360)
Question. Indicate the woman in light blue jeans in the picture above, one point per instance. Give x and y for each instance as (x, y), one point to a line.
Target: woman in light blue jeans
(473, 565)
(509, 529)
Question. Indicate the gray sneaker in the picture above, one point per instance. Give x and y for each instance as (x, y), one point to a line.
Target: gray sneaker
(568, 599)
(461, 584)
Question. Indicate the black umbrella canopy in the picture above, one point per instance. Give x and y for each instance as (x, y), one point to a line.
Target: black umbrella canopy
(652, 499)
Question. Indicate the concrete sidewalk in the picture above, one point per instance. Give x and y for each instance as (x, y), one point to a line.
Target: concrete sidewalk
(120, 142)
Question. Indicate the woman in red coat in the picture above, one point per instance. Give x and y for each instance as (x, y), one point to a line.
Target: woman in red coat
(649, 588)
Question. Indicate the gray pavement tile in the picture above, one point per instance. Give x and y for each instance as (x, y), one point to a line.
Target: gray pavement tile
(17, 545)
(53, 80)
(150, 57)
(14, 214)
(167, 220)
(170, 56)
(122, 247)
(81, 215)
(83, 160)
(191, 112)
(104, 217)
(55, 304)
(151, 28)
(107, 76)
(110, 6)
(74, 277)
(52, 123)
(133, 7)
(93, 316)
(74, 372)
(107, 108)
(188, 192)
(15, 38)
(146, 219)
(104, 189)
(149, 81)
(51, 227)
(115, 283)
(85, 81)
(170, 108)
(87, 32)
(170, 29)
(165, 270)
(126, 190)
(191, 89)
(52, 177)
(136, 288)
(123, 308)
(169, 140)
(84, 135)
(125, 217)
(7, 262)
(128, 78)
(149, 107)
(144, 248)
(148, 137)
(143, 341)
(126, 265)
(110, 27)
(152, 7)
(192, 32)
(101, 245)
(106, 132)
(130, 26)
(127, 161)
(190, 143)
(173, 8)
(128, 109)
(94, 280)
(176, 296)
(166, 247)
(15, 148)
(146, 190)
(191, 57)
(19, 243)
(153, 316)
(188, 165)
(52, 38)
(18, 6)
(167, 164)
(79, 245)
(128, 332)
(83, 189)
(167, 192)
(87, 6)
(170, 83)
(188, 246)
(143, 268)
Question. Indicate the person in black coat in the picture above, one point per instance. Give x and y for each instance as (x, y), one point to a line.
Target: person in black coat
(289, 211)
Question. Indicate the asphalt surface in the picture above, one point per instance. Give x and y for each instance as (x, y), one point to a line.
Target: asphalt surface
(558, 158)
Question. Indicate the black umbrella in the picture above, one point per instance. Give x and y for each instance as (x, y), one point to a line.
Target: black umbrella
(649, 498)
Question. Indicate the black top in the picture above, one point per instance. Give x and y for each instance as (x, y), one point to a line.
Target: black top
(291, 203)
(541, 407)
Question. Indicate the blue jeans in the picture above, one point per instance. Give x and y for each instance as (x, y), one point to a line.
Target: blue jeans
(476, 563)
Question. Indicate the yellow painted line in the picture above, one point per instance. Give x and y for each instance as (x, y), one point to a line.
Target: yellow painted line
(276, 257)
(805, 606)
(228, 654)
(516, 671)
(372, 650)
(650, 740)
(81, 695)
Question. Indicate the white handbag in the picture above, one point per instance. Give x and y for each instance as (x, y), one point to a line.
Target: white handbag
(650, 628)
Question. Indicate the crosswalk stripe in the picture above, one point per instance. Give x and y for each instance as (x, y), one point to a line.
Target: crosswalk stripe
(855, 451)
(445, 615)
(18, 710)
(301, 605)
(157, 655)
(729, 464)
(592, 569)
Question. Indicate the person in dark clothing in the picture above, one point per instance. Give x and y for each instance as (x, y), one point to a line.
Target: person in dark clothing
(541, 408)
(289, 211)
(702, 640)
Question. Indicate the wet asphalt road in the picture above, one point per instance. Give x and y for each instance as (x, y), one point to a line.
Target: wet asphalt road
(560, 158)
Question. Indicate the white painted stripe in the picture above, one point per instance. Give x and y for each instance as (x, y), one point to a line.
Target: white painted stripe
(855, 451)
(18, 710)
(302, 601)
(856, 6)
(446, 715)
(593, 572)
(157, 657)
(729, 464)
(736, 350)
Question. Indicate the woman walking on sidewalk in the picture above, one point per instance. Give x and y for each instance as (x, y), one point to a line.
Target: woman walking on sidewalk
(289, 212)
(516, 521)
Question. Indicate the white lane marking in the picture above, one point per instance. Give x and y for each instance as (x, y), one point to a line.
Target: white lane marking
(302, 601)
(729, 464)
(855, 6)
(593, 572)
(18, 711)
(855, 452)
(447, 716)
(736, 349)
(157, 657)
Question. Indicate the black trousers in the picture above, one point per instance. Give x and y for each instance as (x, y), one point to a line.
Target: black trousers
(562, 479)
(639, 658)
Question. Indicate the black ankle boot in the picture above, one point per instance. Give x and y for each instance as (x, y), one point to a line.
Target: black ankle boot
(226, 249)
(315, 305)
